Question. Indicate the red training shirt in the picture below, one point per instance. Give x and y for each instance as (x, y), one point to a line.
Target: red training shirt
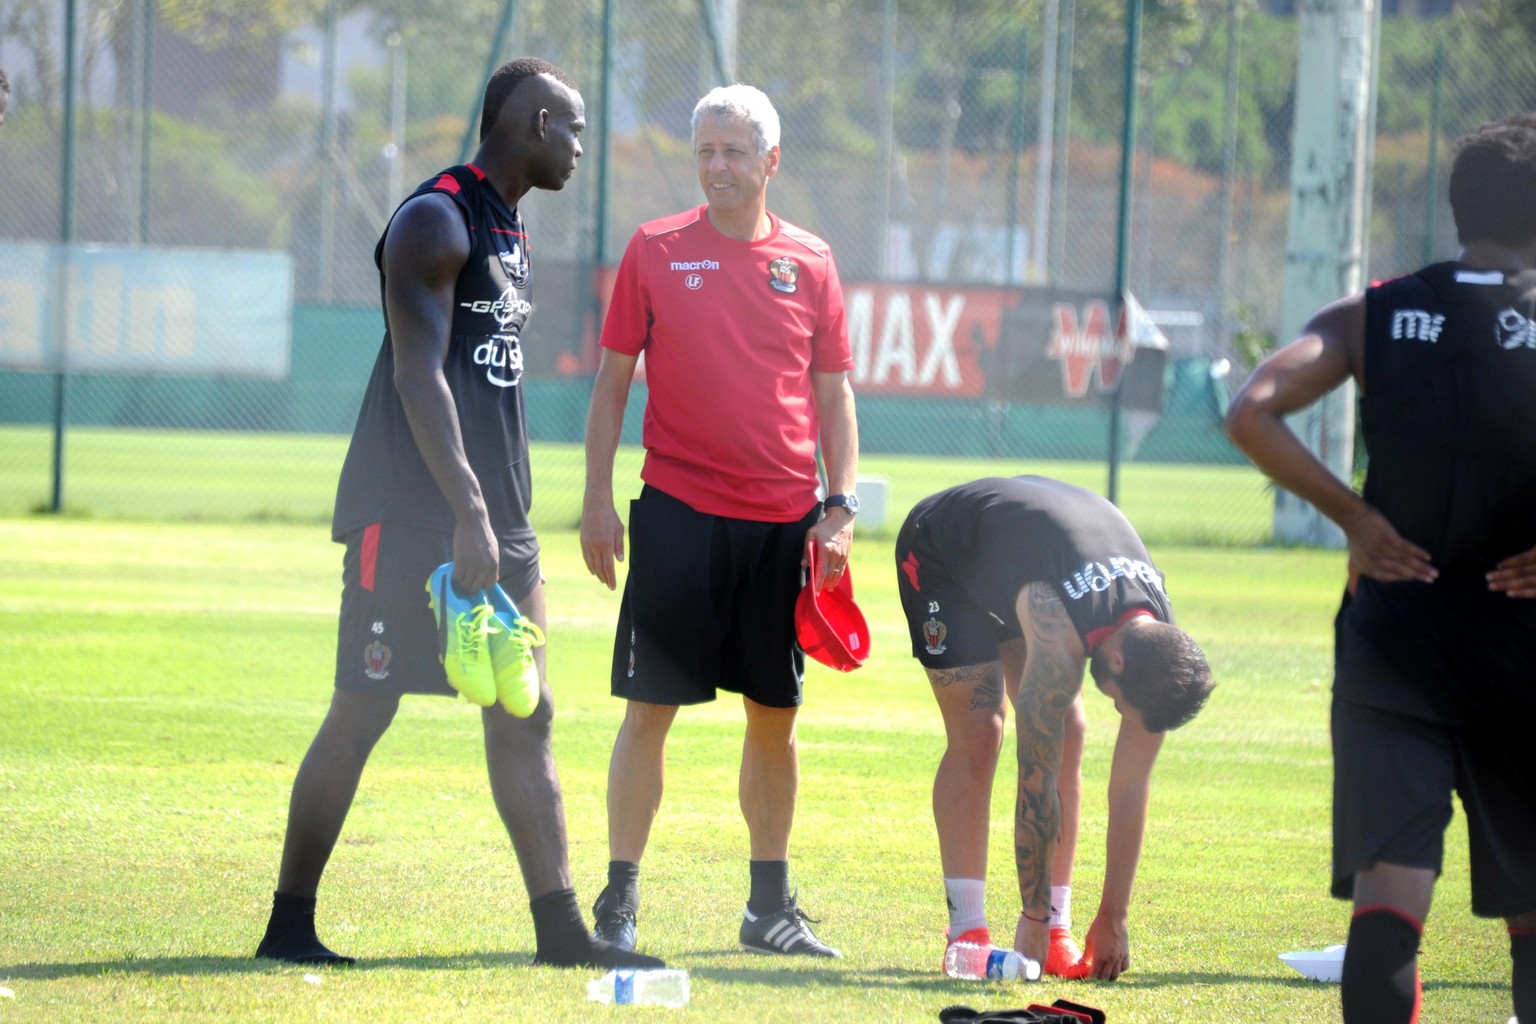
(731, 331)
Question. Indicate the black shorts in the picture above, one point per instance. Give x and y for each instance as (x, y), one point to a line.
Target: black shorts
(1393, 778)
(386, 641)
(948, 627)
(709, 604)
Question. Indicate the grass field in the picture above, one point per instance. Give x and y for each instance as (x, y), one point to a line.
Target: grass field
(210, 476)
(162, 680)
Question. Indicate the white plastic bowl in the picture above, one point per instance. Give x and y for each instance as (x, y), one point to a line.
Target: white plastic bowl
(1318, 965)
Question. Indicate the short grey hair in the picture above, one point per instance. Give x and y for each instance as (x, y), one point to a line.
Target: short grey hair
(741, 103)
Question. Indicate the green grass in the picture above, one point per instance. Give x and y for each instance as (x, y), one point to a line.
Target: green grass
(207, 475)
(161, 682)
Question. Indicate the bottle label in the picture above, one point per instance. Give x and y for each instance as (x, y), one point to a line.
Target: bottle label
(624, 987)
(995, 963)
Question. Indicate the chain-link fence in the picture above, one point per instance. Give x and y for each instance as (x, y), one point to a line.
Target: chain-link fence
(963, 158)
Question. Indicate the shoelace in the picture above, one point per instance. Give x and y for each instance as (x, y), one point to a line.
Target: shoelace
(474, 628)
(801, 917)
(524, 634)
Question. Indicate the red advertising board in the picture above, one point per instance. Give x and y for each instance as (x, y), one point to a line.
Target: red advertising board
(1034, 345)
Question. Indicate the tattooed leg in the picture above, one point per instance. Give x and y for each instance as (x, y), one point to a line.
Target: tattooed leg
(971, 702)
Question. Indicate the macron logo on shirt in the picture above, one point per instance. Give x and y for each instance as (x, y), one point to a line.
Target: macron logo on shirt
(695, 265)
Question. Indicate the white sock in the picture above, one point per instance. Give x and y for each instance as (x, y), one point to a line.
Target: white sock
(1061, 907)
(967, 899)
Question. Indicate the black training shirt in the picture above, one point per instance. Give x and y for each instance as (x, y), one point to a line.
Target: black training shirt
(384, 478)
(997, 534)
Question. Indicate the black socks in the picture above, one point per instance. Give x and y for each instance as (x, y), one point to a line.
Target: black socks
(563, 940)
(624, 885)
(291, 935)
(770, 887)
(561, 933)
(1381, 968)
(1522, 953)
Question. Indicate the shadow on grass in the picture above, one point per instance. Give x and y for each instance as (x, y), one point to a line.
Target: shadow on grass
(1196, 978)
(804, 973)
(212, 965)
(807, 972)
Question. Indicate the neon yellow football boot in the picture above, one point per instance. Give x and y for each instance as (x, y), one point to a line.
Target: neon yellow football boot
(465, 630)
(517, 674)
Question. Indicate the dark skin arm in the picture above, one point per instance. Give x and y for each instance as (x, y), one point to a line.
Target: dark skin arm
(425, 249)
(1328, 352)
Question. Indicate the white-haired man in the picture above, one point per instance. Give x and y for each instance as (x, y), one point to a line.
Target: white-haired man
(740, 318)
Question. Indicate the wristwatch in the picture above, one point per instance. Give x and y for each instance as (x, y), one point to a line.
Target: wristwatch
(847, 502)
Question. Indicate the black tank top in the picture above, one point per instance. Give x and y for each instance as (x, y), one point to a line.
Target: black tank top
(996, 534)
(384, 478)
(1448, 416)
(1448, 412)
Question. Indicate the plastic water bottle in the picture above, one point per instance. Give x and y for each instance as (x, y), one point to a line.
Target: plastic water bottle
(657, 987)
(968, 960)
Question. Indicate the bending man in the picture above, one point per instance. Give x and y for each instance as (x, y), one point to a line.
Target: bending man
(1012, 586)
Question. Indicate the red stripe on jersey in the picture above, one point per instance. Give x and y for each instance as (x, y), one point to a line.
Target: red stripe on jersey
(447, 183)
(1098, 636)
(370, 555)
(477, 171)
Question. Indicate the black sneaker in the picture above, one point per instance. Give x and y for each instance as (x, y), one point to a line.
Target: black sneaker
(787, 931)
(615, 925)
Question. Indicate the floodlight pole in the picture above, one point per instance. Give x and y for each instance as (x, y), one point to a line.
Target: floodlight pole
(1432, 185)
(61, 266)
(604, 139)
(1060, 144)
(720, 48)
(327, 143)
(146, 102)
(1123, 225)
(1015, 157)
(1045, 141)
(1228, 175)
(1327, 234)
(492, 62)
(887, 133)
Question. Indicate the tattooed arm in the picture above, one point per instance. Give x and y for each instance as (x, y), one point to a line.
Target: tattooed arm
(1053, 674)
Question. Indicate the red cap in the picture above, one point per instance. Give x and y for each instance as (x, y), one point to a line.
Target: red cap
(829, 625)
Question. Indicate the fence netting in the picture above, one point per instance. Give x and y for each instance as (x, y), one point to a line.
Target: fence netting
(962, 158)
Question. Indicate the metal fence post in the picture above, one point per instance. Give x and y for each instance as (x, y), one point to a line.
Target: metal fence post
(1123, 222)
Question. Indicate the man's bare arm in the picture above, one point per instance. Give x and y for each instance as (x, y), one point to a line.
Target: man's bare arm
(1328, 352)
(1108, 944)
(425, 248)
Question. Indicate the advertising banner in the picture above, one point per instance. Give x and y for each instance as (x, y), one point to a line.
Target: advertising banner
(145, 310)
